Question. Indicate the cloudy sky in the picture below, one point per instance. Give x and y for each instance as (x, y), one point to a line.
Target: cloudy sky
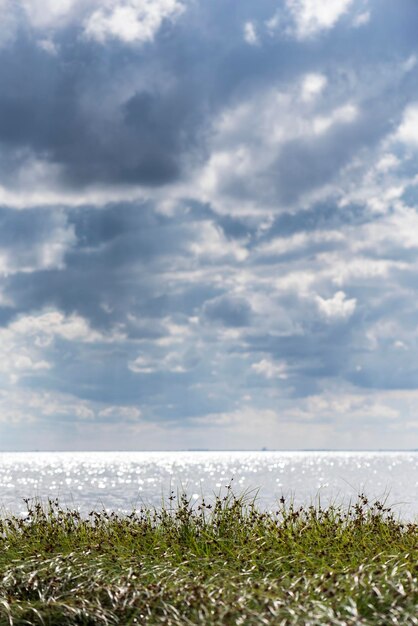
(208, 224)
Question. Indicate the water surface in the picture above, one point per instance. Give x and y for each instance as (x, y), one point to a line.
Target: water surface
(122, 480)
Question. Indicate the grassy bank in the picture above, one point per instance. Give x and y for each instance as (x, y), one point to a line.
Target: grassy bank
(224, 562)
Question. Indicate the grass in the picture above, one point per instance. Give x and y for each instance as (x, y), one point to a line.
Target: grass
(220, 563)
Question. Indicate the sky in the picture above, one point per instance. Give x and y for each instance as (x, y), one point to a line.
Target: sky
(208, 224)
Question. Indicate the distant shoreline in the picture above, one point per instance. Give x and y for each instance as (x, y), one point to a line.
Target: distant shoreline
(284, 450)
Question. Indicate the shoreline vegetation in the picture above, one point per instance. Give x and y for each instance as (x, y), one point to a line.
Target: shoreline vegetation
(220, 562)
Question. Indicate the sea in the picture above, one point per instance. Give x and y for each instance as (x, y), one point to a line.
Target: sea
(122, 481)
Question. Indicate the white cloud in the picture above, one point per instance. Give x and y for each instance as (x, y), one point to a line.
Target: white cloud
(361, 19)
(341, 115)
(48, 46)
(408, 129)
(283, 245)
(248, 139)
(143, 365)
(175, 333)
(24, 341)
(134, 21)
(45, 326)
(313, 16)
(45, 404)
(120, 413)
(273, 22)
(296, 281)
(131, 21)
(337, 307)
(250, 34)
(168, 362)
(344, 270)
(44, 14)
(342, 405)
(46, 192)
(397, 229)
(335, 418)
(387, 161)
(210, 242)
(390, 330)
(270, 370)
(19, 405)
(18, 358)
(312, 85)
(410, 63)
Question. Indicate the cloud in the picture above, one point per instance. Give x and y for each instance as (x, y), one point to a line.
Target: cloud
(342, 115)
(49, 14)
(270, 370)
(250, 34)
(170, 362)
(27, 341)
(284, 245)
(337, 307)
(48, 45)
(210, 242)
(34, 241)
(267, 151)
(139, 135)
(130, 21)
(228, 310)
(120, 413)
(361, 19)
(312, 86)
(311, 17)
(136, 21)
(408, 129)
(54, 324)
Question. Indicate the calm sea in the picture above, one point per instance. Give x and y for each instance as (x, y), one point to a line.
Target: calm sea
(122, 480)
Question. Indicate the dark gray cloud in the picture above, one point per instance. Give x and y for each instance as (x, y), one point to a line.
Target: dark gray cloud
(48, 105)
(112, 113)
(230, 311)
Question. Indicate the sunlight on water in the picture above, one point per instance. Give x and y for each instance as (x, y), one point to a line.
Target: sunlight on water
(122, 480)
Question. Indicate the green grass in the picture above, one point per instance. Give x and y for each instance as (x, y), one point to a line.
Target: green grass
(220, 563)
